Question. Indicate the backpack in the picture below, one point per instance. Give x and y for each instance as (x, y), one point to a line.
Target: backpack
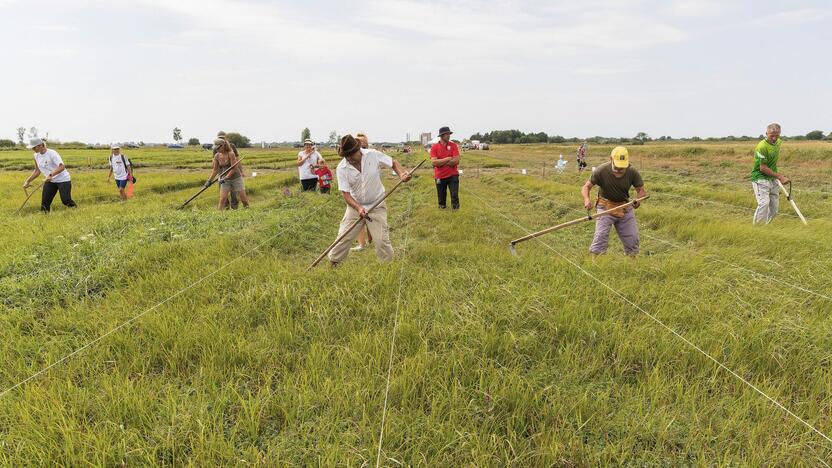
(123, 161)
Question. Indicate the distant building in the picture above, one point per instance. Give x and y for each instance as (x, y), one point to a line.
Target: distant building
(425, 138)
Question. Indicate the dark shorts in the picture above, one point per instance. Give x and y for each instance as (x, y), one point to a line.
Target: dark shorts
(324, 189)
(309, 185)
(121, 183)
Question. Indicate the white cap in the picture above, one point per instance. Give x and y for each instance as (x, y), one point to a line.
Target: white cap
(34, 142)
(115, 146)
(307, 142)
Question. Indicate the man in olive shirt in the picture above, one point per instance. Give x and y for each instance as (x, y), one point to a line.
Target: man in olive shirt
(764, 176)
(614, 180)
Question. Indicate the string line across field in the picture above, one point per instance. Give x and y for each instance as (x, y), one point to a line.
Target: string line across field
(655, 319)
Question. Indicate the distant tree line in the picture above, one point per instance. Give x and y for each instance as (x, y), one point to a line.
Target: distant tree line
(509, 137)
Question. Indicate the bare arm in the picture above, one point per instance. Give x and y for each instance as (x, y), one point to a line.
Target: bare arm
(354, 204)
(585, 193)
(57, 171)
(640, 193)
(110, 173)
(32, 177)
(436, 162)
(214, 169)
(767, 171)
(302, 159)
(404, 176)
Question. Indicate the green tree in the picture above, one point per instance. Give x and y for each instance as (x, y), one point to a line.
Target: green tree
(193, 142)
(177, 134)
(238, 140)
(21, 132)
(642, 137)
(305, 134)
(333, 137)
(6, 143)
(814, 135)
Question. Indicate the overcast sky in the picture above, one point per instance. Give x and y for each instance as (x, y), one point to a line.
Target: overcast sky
(102, 71)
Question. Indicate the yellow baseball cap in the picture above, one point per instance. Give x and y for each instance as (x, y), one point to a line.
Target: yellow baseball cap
(620, 157)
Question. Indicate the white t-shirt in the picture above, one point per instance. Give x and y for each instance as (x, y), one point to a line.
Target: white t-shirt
(48, 163)
(364, 186)
(119, 171)
(305, 169)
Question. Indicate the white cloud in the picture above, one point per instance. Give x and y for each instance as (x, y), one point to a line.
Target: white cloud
(54, 28)
(792, 17)
(260, 26)
(600, 71)
(477, 29)
(700, 8)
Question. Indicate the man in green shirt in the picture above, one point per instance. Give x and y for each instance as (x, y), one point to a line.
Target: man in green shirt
(764, 176)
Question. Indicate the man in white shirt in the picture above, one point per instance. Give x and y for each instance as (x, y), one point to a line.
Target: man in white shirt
(121, 169)
(49, 163)
(306, 160)
(359, 180)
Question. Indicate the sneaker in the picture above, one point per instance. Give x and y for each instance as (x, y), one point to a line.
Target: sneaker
(357, 248)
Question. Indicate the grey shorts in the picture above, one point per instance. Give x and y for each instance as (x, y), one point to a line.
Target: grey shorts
(233, 185)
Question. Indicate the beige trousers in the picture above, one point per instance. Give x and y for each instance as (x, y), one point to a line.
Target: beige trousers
(377, 225)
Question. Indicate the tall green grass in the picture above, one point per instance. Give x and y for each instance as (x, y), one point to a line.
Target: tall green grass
(499, 360)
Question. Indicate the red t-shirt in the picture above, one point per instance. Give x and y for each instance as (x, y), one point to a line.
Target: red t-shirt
(441, 151)
(324, 177)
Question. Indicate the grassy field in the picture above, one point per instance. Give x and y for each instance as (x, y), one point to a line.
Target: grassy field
(155, 336)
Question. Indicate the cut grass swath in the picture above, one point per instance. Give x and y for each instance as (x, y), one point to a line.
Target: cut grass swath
(589, 217)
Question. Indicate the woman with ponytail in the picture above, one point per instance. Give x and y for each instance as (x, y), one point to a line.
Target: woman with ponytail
(232, 181)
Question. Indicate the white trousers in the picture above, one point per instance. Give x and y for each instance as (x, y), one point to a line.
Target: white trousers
(767, 193)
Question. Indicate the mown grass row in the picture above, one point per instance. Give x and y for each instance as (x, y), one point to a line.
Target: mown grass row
(499, 360)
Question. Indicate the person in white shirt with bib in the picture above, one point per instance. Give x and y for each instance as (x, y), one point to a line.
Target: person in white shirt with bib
(308, 158)
(359, 180)
(49, 162)
(122, 169)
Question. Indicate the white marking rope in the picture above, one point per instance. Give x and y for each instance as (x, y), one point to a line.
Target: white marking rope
(393, 340)
(659, 322)
(708, 256)
(144, 312)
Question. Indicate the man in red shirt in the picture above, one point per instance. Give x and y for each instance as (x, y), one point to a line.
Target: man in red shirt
(445, 158)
